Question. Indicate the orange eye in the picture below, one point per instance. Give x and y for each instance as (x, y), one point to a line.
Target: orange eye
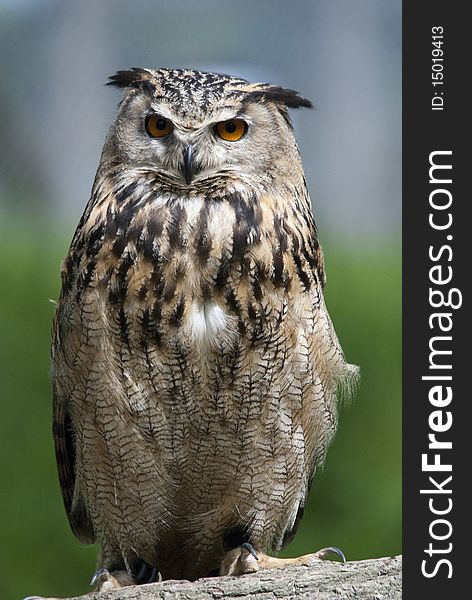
(157, 126)
(232, 130)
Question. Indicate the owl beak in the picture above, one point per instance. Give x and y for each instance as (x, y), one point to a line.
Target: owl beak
(188, 166)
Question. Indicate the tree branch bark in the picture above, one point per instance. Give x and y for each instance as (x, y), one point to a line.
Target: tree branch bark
(376, 579)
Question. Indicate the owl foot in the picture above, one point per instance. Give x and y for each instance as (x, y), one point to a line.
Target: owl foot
(245, 559)
(104, 581)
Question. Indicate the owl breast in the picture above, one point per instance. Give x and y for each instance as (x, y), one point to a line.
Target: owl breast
(191, 375)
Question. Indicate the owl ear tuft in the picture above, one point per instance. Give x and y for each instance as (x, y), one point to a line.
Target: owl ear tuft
(280, 95)
(135, 77)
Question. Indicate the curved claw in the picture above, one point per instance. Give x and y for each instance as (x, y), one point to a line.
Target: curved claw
(99, 574)
(250, 548)
(34, 598)
(324, 552)
(147, 574)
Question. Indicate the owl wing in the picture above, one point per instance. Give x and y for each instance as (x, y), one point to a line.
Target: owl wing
(64, 445)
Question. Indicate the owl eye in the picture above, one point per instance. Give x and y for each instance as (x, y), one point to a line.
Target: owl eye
(232, 130)
(157, 126)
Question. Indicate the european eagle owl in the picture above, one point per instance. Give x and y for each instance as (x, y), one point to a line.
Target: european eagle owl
(195, 369)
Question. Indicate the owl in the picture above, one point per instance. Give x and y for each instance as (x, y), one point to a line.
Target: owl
(196, 372)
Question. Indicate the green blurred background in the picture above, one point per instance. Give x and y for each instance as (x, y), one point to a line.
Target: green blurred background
(54, 112)
(355, 502)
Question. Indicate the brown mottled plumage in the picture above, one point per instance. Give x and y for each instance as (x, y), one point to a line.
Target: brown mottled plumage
(195, 366)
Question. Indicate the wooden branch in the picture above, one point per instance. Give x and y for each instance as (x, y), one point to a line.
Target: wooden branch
(376, 579)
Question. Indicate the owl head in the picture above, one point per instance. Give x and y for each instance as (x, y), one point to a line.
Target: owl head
(189, 128)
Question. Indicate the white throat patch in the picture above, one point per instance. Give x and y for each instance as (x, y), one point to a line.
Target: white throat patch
(208, 323)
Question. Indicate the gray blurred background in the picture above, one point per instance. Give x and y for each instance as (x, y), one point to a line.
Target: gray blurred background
(342, 54)
(55, 56)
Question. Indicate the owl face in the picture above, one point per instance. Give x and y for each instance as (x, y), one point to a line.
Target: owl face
(189, 127)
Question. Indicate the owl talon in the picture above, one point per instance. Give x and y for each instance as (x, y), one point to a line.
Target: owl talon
(103, 580)
(147, 574)
(324, 552)
(250, 548)
(99, 574)
(239, 561)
